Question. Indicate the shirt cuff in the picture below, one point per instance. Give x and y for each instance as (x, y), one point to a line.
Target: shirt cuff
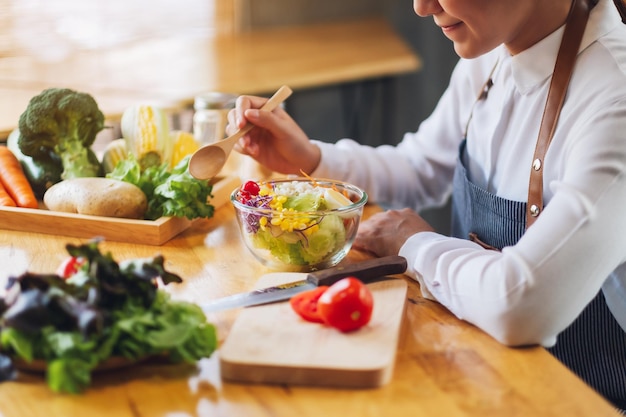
(410, 252)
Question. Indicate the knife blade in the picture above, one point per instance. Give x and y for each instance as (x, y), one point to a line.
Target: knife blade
(367, 271)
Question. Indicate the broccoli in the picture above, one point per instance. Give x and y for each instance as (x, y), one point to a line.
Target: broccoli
(64, 123)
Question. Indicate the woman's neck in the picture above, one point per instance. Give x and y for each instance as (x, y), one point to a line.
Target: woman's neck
(546, 17)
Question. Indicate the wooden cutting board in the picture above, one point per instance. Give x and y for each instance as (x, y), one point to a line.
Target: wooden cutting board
(272, 344)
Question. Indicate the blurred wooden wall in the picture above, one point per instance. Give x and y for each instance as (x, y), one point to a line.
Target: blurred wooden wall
(228, 16)
(244, 15)
(256, 14)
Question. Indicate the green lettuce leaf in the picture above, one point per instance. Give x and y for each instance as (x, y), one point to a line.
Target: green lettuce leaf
(172, 192)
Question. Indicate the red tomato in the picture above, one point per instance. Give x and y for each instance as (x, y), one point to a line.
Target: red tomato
(346, 305)
(251, 187)
(70, 266)
(305, 304)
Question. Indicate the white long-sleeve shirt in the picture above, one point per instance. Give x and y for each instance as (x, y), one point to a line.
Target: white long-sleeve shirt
(530, 292)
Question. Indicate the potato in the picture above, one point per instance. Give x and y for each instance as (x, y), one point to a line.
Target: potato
(97, 196)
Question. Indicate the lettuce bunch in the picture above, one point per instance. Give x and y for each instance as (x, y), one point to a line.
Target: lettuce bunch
(105, 310)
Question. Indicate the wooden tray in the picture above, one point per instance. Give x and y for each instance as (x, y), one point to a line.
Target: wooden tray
(149, 232)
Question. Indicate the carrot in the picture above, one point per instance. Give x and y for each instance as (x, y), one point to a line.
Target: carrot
(14, 180)
(5, 198)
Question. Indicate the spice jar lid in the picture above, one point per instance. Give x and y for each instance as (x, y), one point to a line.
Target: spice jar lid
(214, 100)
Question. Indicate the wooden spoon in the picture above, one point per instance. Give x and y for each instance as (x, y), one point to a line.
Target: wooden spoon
(209, 160)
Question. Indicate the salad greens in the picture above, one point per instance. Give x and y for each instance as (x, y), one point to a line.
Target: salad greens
(300, 248)
(104, 310)
(170, 192)
(298, 223)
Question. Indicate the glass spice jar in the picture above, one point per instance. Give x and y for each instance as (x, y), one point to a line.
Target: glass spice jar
(211, 115)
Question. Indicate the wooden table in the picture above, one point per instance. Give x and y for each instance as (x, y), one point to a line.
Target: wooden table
(445, 367)
(170, 71)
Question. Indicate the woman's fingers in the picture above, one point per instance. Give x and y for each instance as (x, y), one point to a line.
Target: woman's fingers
(244, 104)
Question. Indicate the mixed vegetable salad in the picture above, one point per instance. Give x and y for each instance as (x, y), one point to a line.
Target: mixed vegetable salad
(93, 310)
(298, 222)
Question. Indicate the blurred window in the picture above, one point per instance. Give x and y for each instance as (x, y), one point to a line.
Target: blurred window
(51, 30)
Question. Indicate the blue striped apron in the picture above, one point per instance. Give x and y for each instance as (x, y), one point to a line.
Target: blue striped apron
(594, 345)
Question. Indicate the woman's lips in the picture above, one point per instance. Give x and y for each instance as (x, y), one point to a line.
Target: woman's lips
(449, 28)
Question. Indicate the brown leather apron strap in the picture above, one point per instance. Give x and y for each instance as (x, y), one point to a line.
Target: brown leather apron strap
(563, 68)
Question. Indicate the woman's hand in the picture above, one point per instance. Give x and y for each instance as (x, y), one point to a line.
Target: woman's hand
(276, 141)
(384, 233)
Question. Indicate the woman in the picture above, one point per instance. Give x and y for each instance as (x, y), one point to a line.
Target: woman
(557, 276)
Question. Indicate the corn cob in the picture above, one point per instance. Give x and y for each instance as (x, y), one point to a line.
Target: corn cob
(114, 152)
(145, 129)
(183, 144)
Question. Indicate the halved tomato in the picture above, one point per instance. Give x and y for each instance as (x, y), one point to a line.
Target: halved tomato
(69, 266)
(346, 305)
(305, 304)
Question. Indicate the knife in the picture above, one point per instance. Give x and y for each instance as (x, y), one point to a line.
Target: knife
(367, 271)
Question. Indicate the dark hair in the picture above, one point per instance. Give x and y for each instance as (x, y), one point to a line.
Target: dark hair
(621, 8)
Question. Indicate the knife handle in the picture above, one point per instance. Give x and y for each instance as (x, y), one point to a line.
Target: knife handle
(366, 271)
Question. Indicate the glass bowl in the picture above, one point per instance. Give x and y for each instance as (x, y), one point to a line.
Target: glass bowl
(299, 224)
